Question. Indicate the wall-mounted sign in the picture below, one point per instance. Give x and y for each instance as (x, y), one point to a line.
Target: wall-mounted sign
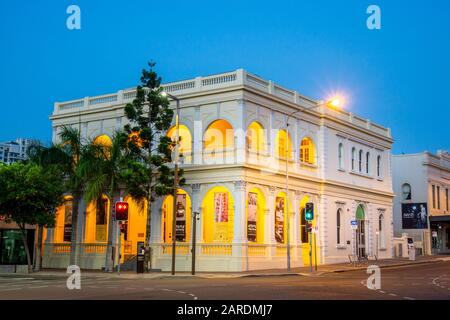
(354, 224)
(414, 216)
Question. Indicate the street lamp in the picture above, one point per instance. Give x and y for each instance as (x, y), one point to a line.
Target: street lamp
(335, 102)
(175, 175)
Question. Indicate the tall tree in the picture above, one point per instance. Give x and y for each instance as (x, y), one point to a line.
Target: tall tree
(66, 154)
(110, 169)
(29, 195)
(150, 116)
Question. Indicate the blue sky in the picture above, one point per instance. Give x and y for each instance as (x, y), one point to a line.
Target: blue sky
(398, 76)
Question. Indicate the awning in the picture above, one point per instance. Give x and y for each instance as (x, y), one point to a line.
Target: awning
(440, 218)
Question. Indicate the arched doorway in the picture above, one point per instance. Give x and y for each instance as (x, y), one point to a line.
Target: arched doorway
(256, 203)
(135, 226)
(218, 216)
(281, 217)
(361, 232)
(183, 217)
(97, 219)
(63, 223)
(305, 235)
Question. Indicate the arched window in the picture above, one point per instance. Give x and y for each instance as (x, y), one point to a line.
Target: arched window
(353, 158)
(255, 139)
(367, 162)
(338, 225)
(307, 151)
(360, 160)
(379, 166)
(341, 155)
(381, 238)
(282, 138)
(406, 191)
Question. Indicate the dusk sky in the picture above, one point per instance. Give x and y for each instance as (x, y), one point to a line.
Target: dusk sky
(398, 76)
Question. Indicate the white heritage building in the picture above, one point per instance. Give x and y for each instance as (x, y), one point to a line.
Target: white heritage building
(337, 160)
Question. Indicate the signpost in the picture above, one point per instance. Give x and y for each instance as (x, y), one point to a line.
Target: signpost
(309, 217)
(354, 224)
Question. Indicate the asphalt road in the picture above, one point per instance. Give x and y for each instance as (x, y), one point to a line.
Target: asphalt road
(424, 281)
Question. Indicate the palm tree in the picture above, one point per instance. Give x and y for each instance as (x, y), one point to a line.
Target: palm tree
(66, 155)
(111, 169)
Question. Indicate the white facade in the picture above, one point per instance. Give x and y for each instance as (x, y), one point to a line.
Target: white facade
(420, 174)
(333, 180)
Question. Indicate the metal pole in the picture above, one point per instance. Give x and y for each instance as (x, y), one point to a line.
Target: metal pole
(315, 251)
(175, 184)
(119, 223)
(310, 249)
(288, 225)
(194, 240)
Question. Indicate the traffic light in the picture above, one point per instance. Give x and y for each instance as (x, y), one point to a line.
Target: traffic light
(308, 226)
(121, 210)
(309, 211)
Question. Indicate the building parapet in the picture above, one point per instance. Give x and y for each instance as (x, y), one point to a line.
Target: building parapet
(229, 80)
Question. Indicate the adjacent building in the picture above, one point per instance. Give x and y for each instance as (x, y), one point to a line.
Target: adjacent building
(12, 250)
(241, 135)
(421, 206)
(13, 151)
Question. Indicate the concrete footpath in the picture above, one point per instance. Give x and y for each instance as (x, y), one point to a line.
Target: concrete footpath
(303, 271)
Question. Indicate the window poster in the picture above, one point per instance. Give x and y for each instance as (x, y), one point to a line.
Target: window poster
(251, 216)
(221, 207)
(181, 218)
(279, 220)
(221, 216)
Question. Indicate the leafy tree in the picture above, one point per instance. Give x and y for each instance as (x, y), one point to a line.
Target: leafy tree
(110, 169)
(66, 156)
(29, 195)
(149, 118)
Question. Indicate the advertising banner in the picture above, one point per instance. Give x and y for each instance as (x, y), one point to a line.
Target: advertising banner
(221, 207)
(414, 216)
(68, 220)
(181, 218)
(221, 217)
(251, 212)
(279, 220)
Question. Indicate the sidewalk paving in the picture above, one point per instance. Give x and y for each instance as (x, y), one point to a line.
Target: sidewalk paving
(302, 271)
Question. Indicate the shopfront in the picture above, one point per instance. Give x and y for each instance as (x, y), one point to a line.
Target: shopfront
(12, 249)
(440, 234)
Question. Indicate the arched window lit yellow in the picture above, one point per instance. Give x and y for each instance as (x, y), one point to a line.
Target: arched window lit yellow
(135, 226)
(255, 139)
(280, 147)
(183, 217)
(307, 151)
(218, 216)
(184, 136)
(103, 140)
(219, 135)
(134, 136)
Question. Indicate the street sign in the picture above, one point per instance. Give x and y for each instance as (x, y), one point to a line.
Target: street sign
(354, 224)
